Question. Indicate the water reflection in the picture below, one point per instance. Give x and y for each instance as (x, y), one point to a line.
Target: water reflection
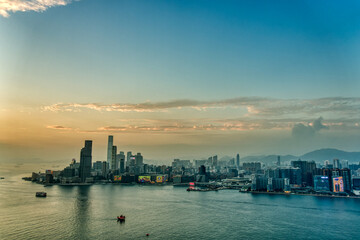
(82, 212)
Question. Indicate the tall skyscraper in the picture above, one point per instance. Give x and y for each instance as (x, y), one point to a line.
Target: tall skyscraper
(109, 150)
(85, 160)
(237, 160)
(113, 158)
(278, 161)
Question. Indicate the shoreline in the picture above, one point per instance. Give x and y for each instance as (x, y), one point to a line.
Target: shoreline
(303, 194)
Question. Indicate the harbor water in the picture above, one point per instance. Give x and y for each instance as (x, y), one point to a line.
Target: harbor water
(167, 212)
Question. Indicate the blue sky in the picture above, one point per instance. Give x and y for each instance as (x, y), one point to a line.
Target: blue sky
(130, 52)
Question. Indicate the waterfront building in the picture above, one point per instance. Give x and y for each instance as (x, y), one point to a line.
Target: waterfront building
(277, 184)
(338, 184)
(329, 173)
(85, 161)
(308, 170)
(109, 150)
(346, 175)
(68, 172)
(291, 173)
(104, 169)
(202, 176)
(321, 183)
(259, 182)
(356, 185)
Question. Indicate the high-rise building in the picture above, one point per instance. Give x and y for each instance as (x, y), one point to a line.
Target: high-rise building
(344, 164)
(356, 185)
(128, 156)
(85, 160)
(321, 183)
(109, 150)
(120, 162)
(237, 160)
(113, 158)
(308, 170)
(104, 168)
(278, 161)
(209, 161)
(338, 184)
(336, 163)
(97, 166)
(138, 160)
(346, 177)
(326, 163)
(215, 160)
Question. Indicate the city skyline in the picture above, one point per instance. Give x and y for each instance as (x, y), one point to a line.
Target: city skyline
(177, 78)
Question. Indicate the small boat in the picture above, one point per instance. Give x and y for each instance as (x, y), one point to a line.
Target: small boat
(40, 194)
(121, 218)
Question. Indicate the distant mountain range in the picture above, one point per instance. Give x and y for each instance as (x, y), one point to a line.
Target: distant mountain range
(318, 156)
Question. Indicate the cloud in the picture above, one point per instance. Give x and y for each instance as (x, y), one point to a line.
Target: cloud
(255, 106)
(8, 6)
(317, 124)
(302, 131)
(57, 127)
(300, 128)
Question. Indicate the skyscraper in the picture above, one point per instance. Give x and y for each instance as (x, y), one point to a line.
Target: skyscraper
(336, 163)
(85, 160)
(113, 158)
(278, 161)
(138, 160)
(128, 156)
(120, 162)
(109, 150)
(237, 160)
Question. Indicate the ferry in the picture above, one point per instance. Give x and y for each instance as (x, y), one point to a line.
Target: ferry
(40, 194)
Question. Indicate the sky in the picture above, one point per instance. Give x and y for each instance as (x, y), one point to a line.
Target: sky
(177, 78)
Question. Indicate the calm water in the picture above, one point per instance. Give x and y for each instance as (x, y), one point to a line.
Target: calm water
(167, 212)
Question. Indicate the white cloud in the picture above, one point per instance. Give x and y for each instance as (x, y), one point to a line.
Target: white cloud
(9, 6)
(256, 106)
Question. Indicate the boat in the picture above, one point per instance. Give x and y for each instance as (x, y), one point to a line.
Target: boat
(121, 218)
(40, 194)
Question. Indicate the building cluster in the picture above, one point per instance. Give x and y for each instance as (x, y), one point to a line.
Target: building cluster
(338, 178)
(298, 176)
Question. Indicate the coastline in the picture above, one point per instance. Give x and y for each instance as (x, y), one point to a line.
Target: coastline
(302, 194)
